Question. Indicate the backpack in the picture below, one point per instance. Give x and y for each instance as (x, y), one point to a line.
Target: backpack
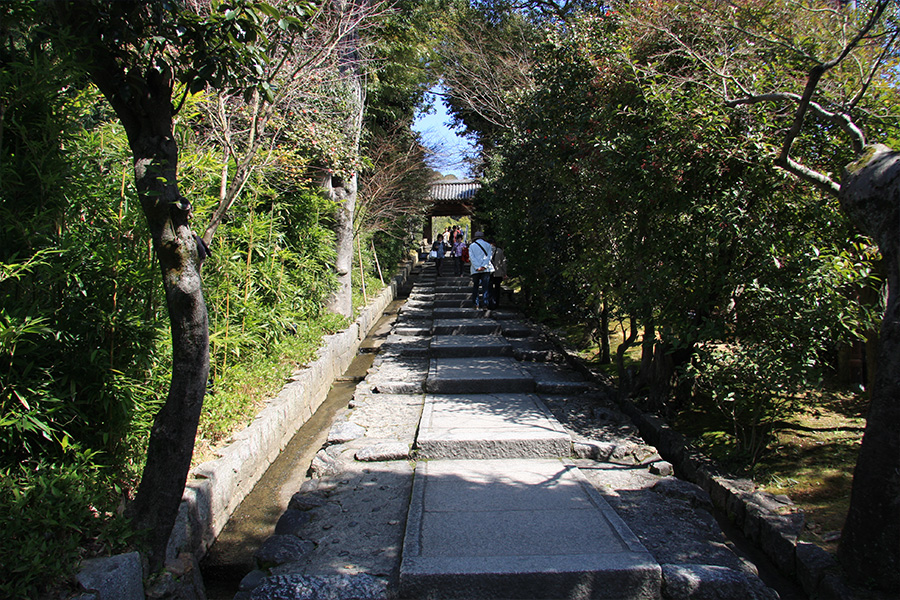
(464, 255)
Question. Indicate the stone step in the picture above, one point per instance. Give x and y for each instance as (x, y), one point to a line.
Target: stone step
(415, 329)
(552, 378)
(488, 426)
(454, 280)
(461, 346)
(457, 313)
(453, 295)
(480, 326)
(442, 288)
(454, 303)
(415, 312)
(518, 528)
(477, 375)
(512, 328)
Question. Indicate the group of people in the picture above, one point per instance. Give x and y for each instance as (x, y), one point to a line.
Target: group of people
(486, 262)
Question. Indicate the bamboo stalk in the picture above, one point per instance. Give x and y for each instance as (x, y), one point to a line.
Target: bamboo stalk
(227, 320)
(249, 259)
(377, 264)
(362, 273)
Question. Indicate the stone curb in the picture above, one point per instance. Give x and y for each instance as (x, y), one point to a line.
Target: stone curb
(215, 488)
(768, 521)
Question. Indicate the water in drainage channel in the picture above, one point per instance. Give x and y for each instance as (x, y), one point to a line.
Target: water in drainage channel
(231, 556)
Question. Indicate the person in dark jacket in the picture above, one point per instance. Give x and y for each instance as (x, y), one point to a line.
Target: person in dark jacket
(440, 249)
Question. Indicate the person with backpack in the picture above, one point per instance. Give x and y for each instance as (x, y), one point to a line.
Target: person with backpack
(480, 253)
(460, 254)
(439, 249)
(498, 260)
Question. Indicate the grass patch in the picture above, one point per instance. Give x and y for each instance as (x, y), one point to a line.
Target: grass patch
(247, 385)
(812, 461)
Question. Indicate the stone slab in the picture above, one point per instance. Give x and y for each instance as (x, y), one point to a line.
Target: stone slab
(512, 328)
(488, 426)
(460, 346)
(462, 303)
(477, 375)
(457, 313)
(419, 330)
(480, 326)
(118, 577)
(551, 378)
(415, 313)
(521, 528)
(452, 296)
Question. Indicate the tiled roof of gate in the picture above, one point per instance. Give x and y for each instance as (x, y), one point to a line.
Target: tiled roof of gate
(460, 190)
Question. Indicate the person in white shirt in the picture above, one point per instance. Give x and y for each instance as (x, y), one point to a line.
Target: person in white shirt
(480, 254)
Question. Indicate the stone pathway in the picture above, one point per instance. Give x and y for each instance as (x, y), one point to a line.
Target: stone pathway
(473, 463)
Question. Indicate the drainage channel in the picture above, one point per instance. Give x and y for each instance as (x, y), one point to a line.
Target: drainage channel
(231, 556)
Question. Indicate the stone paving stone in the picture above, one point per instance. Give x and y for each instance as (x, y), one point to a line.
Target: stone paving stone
(424, 328)
(456, 346)
(513, 328)
(463, 303)
(518, 529)
(486, 375)
(403, 375)
(481, 326)
(457, 313)
(553, 378)
(489, 426)
(415, 313)
(452, 296)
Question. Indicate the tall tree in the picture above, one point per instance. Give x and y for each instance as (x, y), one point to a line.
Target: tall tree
(485, 64)
(138, 53)
(341, 184)
(815, 77)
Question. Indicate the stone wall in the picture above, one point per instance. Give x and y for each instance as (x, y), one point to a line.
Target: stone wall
(214, 489)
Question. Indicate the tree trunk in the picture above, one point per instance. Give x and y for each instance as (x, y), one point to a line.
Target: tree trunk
(604, 334)
(343, 190)
(624, 377)
(344, 193)
(870, 543)
(145, 109)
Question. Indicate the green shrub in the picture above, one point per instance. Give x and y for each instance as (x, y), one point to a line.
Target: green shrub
(51, 515)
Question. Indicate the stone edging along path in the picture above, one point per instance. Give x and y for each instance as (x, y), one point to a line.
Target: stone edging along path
(771, 522)
(215, 488)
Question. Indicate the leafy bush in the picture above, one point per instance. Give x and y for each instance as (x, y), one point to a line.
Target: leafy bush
(50, 516)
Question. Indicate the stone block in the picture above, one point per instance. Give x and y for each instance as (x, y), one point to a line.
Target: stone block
(291, 522)
(778, 539)
(710, 582)
(599, 451)
(753, 522)
(280, 549)
(735, 508)
(306, 501)
(812, 564)
(117, 577)
(384, 451)
(251, 580)
(359, 586)
(662, 468)
(672, 487)
(343, 432)
(671, 444)
(718, 492)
